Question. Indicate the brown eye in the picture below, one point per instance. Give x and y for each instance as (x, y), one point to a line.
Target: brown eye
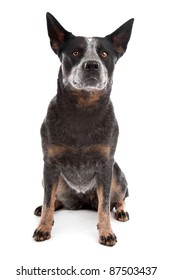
(75, 53)
(104, 54)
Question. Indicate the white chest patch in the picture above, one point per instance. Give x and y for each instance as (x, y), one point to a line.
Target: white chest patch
(80, 188)
(89, 39)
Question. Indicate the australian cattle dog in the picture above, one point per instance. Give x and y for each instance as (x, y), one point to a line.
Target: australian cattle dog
(80, 131)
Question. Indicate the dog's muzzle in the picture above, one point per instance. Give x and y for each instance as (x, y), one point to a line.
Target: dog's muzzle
(91, 74)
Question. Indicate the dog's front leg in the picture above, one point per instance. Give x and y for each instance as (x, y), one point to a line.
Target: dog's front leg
(43, 231)
(106, 235)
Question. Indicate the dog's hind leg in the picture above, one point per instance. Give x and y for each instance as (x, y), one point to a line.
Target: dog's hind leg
(38, 210)
(119, 192)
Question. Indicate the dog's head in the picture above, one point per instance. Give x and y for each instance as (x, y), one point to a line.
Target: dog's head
(87, 63)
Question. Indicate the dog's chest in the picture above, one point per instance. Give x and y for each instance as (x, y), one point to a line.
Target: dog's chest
(79, 165)
(81, 178)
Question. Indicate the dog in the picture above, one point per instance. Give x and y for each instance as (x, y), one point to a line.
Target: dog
(80, 132)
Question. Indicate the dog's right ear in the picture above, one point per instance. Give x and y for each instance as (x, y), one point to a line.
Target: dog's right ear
(57, 34)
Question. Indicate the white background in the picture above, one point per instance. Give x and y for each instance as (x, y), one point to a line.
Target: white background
(142, 97)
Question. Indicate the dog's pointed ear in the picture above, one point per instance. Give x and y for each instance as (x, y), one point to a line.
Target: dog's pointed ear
(120, 37)
(57, 34)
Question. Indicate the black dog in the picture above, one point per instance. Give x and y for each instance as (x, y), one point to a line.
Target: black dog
(80, 131)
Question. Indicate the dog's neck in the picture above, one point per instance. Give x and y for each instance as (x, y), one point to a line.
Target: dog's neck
(85, 108)
(91, 99)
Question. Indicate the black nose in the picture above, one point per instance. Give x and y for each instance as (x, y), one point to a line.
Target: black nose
(91, 65)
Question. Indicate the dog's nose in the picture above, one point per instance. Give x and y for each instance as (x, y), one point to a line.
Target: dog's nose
(91, 65)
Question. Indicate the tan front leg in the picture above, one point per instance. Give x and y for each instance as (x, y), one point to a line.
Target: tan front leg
(43, 231)
(106, 235)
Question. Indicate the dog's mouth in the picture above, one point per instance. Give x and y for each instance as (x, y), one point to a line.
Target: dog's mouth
(89, 83)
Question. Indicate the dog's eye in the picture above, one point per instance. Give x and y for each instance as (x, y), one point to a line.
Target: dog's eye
(104, 54)
(75, 53)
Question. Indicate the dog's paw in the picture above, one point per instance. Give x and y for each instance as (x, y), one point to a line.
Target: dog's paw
(108, 240)
(41, 234)
(37, 211)
(121, 216)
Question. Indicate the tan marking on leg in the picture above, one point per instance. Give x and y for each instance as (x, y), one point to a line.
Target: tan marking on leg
(44, 229)
(117, 199)
(106, 235)
(120, 205)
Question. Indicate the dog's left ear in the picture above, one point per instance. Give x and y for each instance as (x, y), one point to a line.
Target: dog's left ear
(120, 37)
(57, 34)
